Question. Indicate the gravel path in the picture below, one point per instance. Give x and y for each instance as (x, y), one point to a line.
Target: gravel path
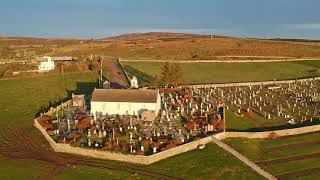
(242, 158)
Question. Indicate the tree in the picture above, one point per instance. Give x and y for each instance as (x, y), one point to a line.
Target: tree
(165, 74)
(176, 73)
(171, 74)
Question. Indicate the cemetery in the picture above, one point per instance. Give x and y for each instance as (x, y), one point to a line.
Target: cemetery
(294, 103)
(186, 114)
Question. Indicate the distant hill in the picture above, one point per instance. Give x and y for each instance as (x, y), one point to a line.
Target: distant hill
(156, 35)
(295, 40)
(35, 41)
(162, 46)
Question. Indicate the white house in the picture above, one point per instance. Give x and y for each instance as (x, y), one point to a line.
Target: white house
(46, 65)
(125, 101)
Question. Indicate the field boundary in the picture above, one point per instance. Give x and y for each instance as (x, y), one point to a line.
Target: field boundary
(220, 61)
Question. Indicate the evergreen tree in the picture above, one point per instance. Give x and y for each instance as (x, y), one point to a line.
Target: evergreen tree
(176, 73)
(164, 77)
(171, 74)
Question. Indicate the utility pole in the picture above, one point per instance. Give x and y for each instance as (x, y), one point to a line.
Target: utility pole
(62, 73)
(224, 118)
(101, 83)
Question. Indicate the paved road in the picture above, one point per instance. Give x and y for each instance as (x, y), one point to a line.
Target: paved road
(117, 77)
(243, 159)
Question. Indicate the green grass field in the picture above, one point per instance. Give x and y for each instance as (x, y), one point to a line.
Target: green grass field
(202, 73)
(256, 150)
(2, 68)
(22, 99)
(244, 123)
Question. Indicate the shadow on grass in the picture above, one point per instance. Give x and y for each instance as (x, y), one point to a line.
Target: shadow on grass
(143, 78)
(280, 127)
(85, 88)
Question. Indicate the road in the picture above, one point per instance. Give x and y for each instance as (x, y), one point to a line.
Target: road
(117, 77)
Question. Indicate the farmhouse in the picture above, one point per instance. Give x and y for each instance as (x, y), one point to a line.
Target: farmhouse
(46, 64)
(125, 101)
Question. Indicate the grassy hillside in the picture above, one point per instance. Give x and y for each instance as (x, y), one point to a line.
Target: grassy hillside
(193, 48)
(23, 98)
(202, 73)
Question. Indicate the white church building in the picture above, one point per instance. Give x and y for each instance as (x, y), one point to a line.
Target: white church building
(125, 101)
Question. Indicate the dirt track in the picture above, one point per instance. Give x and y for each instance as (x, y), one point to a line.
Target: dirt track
(117, 77)
(15, 143)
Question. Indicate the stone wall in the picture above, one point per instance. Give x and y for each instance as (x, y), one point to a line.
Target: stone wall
(268, 134)
(138, 159)
(250, 83)
(62, 105)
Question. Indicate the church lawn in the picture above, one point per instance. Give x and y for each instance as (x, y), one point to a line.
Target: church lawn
(253, 123)
(204, 73)
(21, 99)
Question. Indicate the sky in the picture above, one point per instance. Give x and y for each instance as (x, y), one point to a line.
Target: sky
(104, 18)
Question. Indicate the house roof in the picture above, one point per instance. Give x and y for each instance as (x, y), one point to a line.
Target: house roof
(64, 58)
(124, 95)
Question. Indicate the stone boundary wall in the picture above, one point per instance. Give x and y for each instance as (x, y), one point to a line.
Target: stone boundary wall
(63, 105)
(136, 159)
(145, 160)
(268, 134)
(250, 83)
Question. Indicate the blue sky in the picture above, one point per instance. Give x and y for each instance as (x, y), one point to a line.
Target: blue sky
(103, 18)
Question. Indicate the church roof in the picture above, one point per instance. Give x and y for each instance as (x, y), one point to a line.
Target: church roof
(125, 95)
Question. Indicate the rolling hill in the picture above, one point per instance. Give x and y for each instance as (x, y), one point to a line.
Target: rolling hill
(162, 46)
